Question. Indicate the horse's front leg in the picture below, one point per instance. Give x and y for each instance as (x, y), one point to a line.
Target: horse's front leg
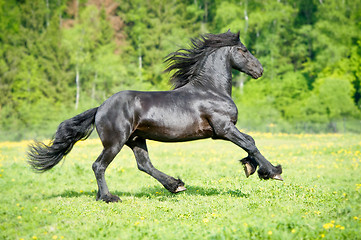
(139, 147)
(266, 169)
(249, 163)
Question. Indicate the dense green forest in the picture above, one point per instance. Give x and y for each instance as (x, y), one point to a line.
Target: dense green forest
(61, 57)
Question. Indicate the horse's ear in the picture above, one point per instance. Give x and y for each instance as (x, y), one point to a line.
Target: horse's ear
(238, 34)
(229, 30)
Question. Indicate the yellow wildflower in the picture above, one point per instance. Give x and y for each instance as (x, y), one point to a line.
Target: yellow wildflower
(328, 225)
(269, 233)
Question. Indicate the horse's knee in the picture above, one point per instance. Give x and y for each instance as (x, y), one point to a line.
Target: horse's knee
(142, 167)
(95, 166)
(223, 131)
(251, 149)
(249, 138)
(98, 169)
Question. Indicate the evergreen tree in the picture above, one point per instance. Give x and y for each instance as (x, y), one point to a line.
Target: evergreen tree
(55, 52)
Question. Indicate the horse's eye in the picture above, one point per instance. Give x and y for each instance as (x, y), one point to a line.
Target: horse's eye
(242, 49)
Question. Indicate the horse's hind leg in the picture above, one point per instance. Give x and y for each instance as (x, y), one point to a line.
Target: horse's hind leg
(99, 167)
(139, 147)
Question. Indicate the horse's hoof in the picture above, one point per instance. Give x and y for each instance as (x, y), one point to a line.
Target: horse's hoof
(277, 177)
(249, 169)
(180, 189)
(273, 173)
(110, 198)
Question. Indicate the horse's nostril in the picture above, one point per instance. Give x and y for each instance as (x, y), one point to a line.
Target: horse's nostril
(261, 71)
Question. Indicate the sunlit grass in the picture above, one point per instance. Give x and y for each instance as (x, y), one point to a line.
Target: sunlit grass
(319, 199)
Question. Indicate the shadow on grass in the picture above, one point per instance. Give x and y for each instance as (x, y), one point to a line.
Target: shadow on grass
(159, 192)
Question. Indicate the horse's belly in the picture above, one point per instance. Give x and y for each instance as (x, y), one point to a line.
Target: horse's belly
(174, 131)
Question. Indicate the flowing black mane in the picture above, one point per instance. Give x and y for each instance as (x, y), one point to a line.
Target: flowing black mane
(187, 62)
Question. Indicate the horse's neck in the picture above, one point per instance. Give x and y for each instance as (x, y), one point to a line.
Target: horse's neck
(216, 71)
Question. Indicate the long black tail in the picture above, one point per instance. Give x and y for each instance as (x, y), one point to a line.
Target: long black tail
(43, 157)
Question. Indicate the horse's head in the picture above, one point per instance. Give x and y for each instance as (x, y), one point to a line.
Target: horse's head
(190, 63)
(242, 60)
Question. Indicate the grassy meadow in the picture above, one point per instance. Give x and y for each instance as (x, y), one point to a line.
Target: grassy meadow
(319, 199)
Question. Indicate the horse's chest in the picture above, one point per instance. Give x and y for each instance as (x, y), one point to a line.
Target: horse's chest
(225, 111)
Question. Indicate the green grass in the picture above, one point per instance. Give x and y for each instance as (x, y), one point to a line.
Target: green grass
(319, 199)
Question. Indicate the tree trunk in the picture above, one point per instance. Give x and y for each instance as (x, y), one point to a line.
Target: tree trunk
(77, 88)
(246, 20)
(242, 79)
(94, 86)
(140, 59)
(205, 12)
(245, 16)
(47, 13)
(60, 17)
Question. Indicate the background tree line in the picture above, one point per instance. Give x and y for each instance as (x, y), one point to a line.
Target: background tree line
(60, 57)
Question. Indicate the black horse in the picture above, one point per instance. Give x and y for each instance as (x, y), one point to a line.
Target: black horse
(200, 106)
